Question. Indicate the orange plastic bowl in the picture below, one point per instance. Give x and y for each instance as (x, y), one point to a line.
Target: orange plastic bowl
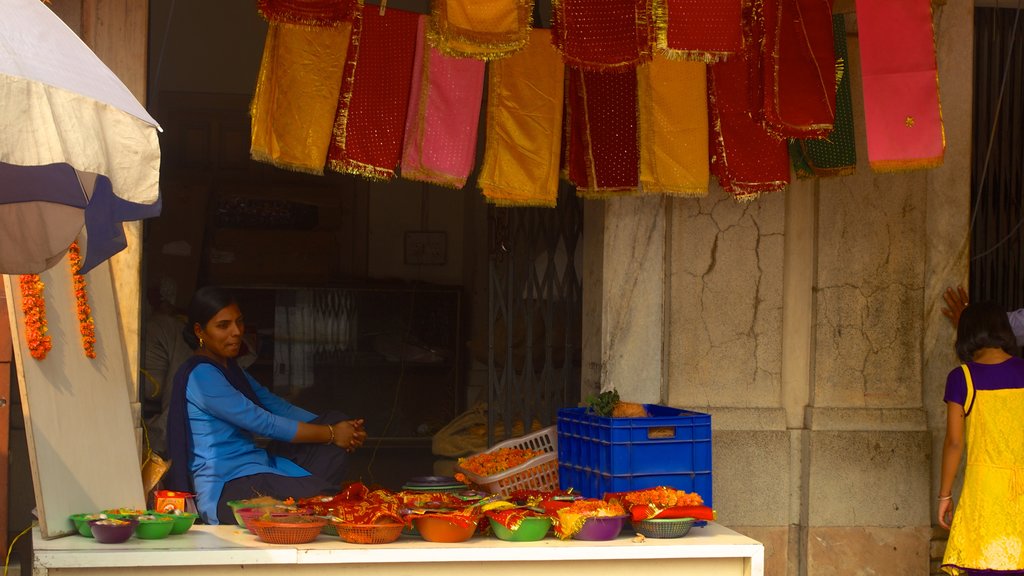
(441, 529)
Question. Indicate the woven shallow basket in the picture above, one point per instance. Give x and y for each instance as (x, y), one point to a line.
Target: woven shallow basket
(664, 527)
(368, 533)
(273, 532)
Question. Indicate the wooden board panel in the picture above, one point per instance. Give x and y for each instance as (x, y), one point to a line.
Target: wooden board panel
(78, 421)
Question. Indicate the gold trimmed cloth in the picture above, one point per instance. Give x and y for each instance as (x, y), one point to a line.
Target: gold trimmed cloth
(525, 96)
(702, 30)
(799, 68)
(307, 12)
(747, 160)
(443, 115)
(301, 69)
(673, 107)
(605, 159)
(902, 117)
(603, 34)
(837, 154)
(484, 29)
(370, 122)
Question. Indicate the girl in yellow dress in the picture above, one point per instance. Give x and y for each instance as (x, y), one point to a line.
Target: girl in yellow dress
(984, 410)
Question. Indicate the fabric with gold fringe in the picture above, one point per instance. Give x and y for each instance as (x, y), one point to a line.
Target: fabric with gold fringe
(835, 155)
(702, 30)
(374, 98)
(307, 12)
(799, 68)
(673, 107)
(301, 70)
(525, 95)
(747, 159)
(902, 115)
(443, 114)
(484, 29)
(604, 114)
(603, 34)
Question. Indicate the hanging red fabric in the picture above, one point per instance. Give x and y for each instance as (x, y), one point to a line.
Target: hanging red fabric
(370, 122)
(799, 68)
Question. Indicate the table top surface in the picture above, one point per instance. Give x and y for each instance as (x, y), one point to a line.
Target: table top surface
(234, 545)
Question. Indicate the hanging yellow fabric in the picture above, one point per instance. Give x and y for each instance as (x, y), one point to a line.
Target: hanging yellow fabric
(673, 108)
(297, 95)
(524, 126)
(482, 29)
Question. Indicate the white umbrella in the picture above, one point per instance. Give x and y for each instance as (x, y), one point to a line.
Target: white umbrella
(60, 105)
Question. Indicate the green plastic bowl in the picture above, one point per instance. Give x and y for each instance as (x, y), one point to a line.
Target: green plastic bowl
(154, 526)
(81, 522)
(182, 522)
(533, 528)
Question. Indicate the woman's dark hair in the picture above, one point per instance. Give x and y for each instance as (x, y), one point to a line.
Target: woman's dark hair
(983, 325)
(206, 302)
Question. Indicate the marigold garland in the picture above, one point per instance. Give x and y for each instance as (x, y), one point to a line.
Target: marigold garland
(490, 463)
(85, 322)
(34, 306)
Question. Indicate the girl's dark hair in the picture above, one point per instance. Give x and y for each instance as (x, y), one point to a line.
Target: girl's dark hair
(983, 325)
(206, 302)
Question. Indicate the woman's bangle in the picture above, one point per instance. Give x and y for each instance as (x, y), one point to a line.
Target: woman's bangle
(331, 428)
(941, 498)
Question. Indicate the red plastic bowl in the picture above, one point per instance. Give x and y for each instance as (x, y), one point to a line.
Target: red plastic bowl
(601, 528)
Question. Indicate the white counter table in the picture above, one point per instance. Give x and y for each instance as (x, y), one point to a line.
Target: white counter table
(207, 550)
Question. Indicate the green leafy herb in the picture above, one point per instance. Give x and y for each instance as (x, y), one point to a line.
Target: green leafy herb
(604, 403)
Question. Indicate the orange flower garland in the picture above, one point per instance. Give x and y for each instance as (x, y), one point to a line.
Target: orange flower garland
(34, 306)
(490, 463)
(85, 322)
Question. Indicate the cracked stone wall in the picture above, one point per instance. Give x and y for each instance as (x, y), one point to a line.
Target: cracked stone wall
(726, 301)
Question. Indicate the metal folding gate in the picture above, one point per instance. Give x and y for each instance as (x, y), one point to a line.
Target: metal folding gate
(997, 198)
(534, 312)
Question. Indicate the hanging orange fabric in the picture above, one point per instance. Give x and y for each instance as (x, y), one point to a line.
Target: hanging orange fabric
(603, 34)
(604, 115)
(673, 113)
(374, 97)
(702, 30)
(525, 96)
(900, 83)
(301, 69)
(799, 68)
(444, 111)
(484, 29)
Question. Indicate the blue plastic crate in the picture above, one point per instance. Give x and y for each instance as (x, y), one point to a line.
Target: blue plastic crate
(594, 484)
(671, 447)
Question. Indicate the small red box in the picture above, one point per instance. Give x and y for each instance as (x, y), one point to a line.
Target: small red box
(167, 501)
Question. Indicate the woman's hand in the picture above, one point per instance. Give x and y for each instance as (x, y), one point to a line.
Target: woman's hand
(349, 434)
(946, 513)
(956, 301)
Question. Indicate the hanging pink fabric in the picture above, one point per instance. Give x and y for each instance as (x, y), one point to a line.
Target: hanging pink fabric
(444, 111)
(900, 82)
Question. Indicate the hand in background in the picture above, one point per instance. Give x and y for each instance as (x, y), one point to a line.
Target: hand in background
(349, 434)
(956, 301)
